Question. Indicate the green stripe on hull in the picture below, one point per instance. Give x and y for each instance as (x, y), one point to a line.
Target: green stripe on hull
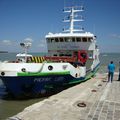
(89, 76)
(76, 81)
(42, 74)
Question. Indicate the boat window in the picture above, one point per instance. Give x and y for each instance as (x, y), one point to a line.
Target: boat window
(66, 39)
(89, 39)
(61, 40)
(48, 40)
(69, 55)
(78, 39)
(52, 39)
(61, 54)
(84, 39)
(69, 39)
(55, 55)
(73, 39)
(56, 40)
(90, 55)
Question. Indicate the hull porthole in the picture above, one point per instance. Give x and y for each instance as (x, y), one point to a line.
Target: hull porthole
(23, 70)
(2, 73)
(50, 67)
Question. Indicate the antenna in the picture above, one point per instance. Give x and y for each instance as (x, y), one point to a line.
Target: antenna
(94, 28)
(64, 3)
(73, 17)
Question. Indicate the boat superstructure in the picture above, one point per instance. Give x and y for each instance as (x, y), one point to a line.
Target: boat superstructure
(74, 42)
(73, 56)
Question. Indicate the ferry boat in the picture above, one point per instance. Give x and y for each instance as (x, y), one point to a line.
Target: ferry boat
(73, 57)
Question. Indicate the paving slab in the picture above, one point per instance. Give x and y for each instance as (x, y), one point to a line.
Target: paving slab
(95, 99)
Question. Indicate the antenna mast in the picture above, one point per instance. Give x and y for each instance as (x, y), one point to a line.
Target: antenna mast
(72, 18)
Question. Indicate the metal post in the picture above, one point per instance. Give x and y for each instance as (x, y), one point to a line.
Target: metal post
(25, 52)
(119, 72)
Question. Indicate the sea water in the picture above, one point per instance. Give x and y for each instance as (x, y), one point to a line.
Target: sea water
(9, 108)
(106, 58)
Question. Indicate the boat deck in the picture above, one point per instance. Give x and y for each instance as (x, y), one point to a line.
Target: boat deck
(95, 99)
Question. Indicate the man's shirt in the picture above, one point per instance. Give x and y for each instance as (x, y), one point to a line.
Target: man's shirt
(111, 67)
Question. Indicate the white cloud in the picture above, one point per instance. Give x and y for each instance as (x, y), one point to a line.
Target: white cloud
(6, 42)
(28, 40)
(115, 36)
(42, 44)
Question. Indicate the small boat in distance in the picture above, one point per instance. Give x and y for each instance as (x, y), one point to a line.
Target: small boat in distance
(73, 57)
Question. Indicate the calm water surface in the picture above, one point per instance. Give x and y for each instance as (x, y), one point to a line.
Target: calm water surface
(105, 59)
(11, 107)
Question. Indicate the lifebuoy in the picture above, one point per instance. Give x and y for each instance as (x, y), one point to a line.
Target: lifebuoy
(83, 57)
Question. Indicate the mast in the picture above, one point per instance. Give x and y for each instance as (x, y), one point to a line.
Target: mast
(73, 17)
(25, 46)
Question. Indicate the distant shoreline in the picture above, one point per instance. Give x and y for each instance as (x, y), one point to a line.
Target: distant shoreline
(3, 51)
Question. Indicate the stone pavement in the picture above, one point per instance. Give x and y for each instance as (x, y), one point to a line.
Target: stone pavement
(95, 99)
(106, 105)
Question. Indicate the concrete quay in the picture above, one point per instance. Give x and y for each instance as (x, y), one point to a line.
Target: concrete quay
(95, 99)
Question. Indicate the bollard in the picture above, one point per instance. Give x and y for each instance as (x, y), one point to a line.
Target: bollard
(119, 72)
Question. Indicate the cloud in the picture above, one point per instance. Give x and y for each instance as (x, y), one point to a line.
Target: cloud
(6, 42)
(42, 43)
(115, 36)
(28, 40)
(42, 46)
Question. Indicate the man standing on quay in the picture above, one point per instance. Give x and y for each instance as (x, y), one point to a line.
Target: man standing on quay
(111, 69)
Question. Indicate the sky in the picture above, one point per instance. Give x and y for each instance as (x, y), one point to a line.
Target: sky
(31, 20)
